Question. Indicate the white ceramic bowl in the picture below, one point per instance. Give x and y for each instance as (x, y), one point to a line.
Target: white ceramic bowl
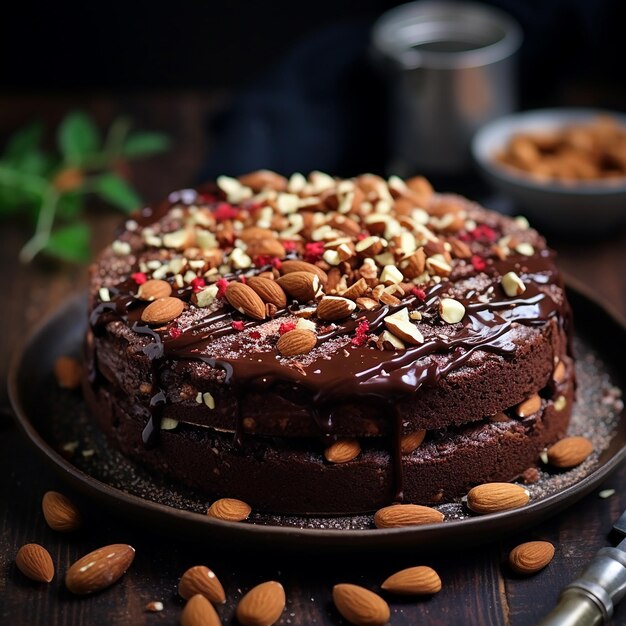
(577, 207)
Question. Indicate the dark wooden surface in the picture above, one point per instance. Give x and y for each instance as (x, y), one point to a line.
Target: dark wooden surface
(478, 588)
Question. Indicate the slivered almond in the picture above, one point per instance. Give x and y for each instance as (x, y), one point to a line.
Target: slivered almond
(342, 451)
(302, 266)
(35, 562)
(301, 285)
(401, 326)
(262, 605)
(229, 510)
(529, 407)
(99, 569)
(460, 249)
(154, 289)
(494, 497)
(297, 341)
(367, 304)
(60, 513)
(331, 308)
(356, 290)
(360, 606)
(202, 580)
(419, 580)
(163, 310)
(388, 299)
(412, 441)
(268, 290)
(413, 265)
(245, 300)
(199, 612)
(398, 515)
(569, 452)
(370, 246)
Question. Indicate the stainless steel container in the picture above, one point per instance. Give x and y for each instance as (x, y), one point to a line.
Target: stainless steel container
(450, 68)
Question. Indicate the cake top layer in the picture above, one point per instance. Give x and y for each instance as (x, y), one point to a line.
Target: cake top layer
(342, 288)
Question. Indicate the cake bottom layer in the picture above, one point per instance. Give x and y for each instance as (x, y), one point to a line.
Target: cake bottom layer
(291, 475)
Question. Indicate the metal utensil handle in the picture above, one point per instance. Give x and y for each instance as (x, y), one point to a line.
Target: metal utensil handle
(590, 599)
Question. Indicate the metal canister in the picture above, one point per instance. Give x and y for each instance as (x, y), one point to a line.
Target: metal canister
(450, 68)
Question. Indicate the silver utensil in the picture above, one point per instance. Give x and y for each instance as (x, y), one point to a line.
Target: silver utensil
(590, 599)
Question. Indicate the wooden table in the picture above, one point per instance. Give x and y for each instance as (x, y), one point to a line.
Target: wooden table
(478, 588)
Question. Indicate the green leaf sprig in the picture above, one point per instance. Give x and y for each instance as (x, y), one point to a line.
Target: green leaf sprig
(51, 189)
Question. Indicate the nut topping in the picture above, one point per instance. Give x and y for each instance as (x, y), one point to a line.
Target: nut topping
(296, 342)
(162, 311)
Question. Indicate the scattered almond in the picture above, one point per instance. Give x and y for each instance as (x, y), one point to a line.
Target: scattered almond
(342, 451)
(495, 497)
(35, 562)
(356, 290)
(569, 452)
(202, 580)
(360, 606)
(398, 515)
(268, 290)
(303, 286)
(99, 569)
(297, 341)
(229, 510)
(262, 605)
(559, 372)
(412, 441)
(331, 308)
(451, 310)
(60, 512)
(420, 580)
(199, 612)
(68, 372)
(513, 285)
(245, 300)
(266, 247)
(263, 179)
(530, 557)
(162, 311)
(529, 407)
(154, 606)
(154, 289)
(401, 326)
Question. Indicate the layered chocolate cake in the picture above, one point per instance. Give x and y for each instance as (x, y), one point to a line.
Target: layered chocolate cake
(316, 345)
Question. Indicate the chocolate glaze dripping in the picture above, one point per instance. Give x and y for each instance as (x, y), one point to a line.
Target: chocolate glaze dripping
(382, 377)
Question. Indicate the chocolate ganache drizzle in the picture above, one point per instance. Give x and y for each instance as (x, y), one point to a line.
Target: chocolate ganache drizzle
(354, 371)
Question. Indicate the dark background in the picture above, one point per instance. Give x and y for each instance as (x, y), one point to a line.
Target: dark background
(303, 64)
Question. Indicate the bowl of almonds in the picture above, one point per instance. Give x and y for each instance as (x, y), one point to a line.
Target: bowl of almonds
(565, 168)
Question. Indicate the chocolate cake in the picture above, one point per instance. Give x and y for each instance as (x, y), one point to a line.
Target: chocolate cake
(316, 345)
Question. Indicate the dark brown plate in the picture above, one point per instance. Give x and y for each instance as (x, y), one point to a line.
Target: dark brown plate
(62, 333)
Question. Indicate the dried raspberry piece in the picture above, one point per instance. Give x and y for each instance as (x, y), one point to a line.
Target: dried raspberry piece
(313, 251)
(420, 294)
(221, 285)
(206, 198)
(255, 334)
(225, 211)
(276, 262)
(360, 334)
(197, 284)
(174, 332)
(361, 236)
(478, 263)
(237, 325)
(289, 246)
(262, 259)
(285, 327)
(482, 232)
(139, 277)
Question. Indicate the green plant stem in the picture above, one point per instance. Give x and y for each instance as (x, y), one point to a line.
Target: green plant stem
(15, 178)
(45, 220)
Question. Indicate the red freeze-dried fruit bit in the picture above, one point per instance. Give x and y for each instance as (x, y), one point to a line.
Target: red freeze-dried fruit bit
(277, 263)
(285, 327)
(361, 236)
(484, 232)
(237, 325)
(289, 246)
(420, 294)
(262, 259)
(139, 277)
(206, 198)
(174, 332)
(225, 211)
(478, 262)
(313, 251)
(464, 236)
(197, 284)
(255, 334)
(360, 334)
(221, 285)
